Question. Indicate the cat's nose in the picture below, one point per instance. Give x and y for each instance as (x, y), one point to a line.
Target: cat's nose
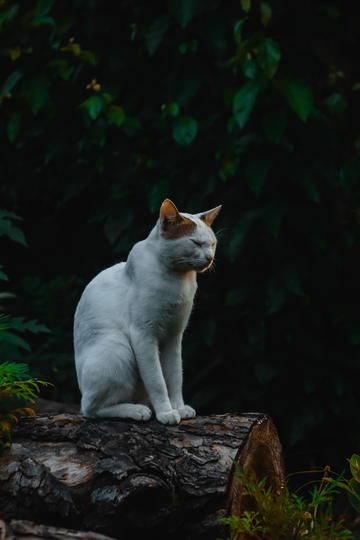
(209, 258)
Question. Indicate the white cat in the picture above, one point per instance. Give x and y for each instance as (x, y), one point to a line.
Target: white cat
(131, 317)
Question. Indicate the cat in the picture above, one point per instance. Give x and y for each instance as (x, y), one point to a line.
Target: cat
(130, 320)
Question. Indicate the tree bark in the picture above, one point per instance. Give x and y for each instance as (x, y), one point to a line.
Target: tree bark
(27, 530)
(125, 479)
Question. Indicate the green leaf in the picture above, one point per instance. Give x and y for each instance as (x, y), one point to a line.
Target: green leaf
(8, 229)
(354, 498)
(88, 57)
(13, 127)
(116, 114)
(43, 20)
(250, 68)
(22, 325)
(94, 106)
(43, 7)
(354, 463)
(183, 10)
(184, 130)
(299, 96)
(132, 123)
(3, 276)
(10, 82)
(13, 339)
(8, 14)
(62, 67)
(41, 13)
(244, 101)
(246, 5)
(170, 109)
(13, 371)
(35, 92)
(155, 34)
(7, 214)
(174, 109)
(238, 29)
(265, 13)
(256, 173)
(269, 57)
(182, 48)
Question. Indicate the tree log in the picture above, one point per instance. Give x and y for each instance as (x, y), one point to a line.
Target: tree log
(124, 479)
(27, 530)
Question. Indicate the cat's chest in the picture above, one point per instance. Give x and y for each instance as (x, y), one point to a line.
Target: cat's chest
(173, 319)
(173, 307)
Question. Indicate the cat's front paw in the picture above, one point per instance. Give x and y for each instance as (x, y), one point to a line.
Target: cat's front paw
(186, 412)
(171, 417)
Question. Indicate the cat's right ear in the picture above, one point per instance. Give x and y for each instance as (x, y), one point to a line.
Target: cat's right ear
(169, 214)
(173, 224)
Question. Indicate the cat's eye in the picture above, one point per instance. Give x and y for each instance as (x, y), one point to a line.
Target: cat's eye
(196, 242)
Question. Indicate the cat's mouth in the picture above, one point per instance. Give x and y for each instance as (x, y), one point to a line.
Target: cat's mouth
(204, 268)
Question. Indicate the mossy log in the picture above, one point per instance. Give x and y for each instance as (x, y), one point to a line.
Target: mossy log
(127, 480)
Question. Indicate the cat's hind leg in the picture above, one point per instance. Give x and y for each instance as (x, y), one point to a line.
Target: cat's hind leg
(134, 411)
(108, 383)
(91, 409)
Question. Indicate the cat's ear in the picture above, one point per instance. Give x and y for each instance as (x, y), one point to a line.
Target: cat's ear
(210, 215)
(169, 214)
(173, 224)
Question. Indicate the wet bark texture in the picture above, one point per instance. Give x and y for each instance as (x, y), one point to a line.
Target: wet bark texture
(127, 480)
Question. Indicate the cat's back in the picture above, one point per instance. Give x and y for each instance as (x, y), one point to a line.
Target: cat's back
(106, 282)
(101, 296)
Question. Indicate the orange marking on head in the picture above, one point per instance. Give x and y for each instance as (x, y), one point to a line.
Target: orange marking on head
(173, 224)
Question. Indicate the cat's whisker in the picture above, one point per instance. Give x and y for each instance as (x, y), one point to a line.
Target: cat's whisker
(220, 232)
(213, 267)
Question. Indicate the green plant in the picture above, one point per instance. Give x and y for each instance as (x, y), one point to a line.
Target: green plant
(285, 514)
(16, 389)
(353, 485)
(11, 342)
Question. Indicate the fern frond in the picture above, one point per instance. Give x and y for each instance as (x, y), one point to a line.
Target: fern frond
(11, 371)
(28, 389)
(5, 428)
(24, 411)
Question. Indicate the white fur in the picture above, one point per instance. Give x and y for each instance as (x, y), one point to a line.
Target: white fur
(129, 324)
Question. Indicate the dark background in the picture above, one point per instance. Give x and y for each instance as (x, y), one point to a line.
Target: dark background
(109, 107)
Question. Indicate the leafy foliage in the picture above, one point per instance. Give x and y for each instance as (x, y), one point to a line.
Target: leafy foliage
(12, 345)
(17, 388)
(286, 514)
(15, 382)
(239, 103)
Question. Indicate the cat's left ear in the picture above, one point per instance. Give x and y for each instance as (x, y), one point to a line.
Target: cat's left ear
(209, 216)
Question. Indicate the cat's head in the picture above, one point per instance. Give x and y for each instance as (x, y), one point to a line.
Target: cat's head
(188, 241)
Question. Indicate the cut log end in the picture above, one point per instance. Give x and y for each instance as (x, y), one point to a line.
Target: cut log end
(261, 455)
